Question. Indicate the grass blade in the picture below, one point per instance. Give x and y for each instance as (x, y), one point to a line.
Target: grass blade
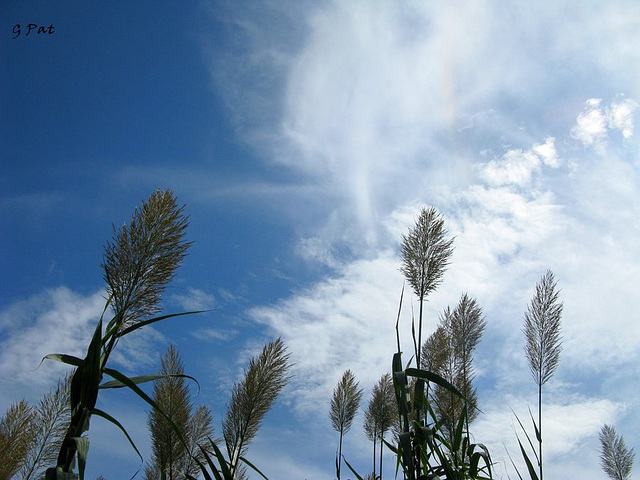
(532, 471)
(144, 379)
(254, 468)
(141, 324)
(351, 468)
(108, 417)
(63, 358)
(129, 383)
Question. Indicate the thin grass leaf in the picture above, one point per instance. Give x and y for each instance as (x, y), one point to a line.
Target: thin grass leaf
(434, 378)
(63, 358)
(458, 436)
(535, 427)
(398, 318)
(532, 471)
(475, 458)
(127, 381)
(253, 467)
(512, 462)
(143, 323)
(91, 371)
(224, 464)
(108, 417)
(212, 467)
(82, 447)
(404, 443)
(351, 468)
(413, 334)
(391, 447)
(145, 379)
(418, 395)
(527, 435)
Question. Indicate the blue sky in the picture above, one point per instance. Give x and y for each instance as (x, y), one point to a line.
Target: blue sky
(304, 137)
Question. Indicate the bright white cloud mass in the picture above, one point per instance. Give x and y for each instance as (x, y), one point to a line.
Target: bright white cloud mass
(515, 121)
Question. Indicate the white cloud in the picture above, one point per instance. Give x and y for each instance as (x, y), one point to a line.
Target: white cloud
(388, 109)
(195, 300)
(547, 152)
(591, 125)
(214, 334)
(506, 237)
(566, 428)
(620, 116)
(594, 122)
(58, 320)
(343, 322)
(516, 167)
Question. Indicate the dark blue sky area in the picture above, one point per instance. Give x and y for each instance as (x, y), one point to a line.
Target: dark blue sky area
(116, 90)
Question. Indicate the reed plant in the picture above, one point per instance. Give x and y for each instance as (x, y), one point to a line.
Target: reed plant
(138, 264)
(429, 446)
(615, 458)
(251, 399)
(344, 406)
(543, 345)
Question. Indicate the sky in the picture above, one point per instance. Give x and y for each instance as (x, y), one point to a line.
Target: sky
(303, 139)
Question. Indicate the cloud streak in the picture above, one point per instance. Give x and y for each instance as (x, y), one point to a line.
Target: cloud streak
(57, 320)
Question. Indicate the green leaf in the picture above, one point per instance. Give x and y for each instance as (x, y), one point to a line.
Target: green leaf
(527, 435)
(254, 468)
(418, 396)
(535, 427)
(398, 319)
(351, 468)
(91, 371)
(129, 383)
(144, 379)
(224, 465)
(141, 324)
(108, 417)
(532, 471)
(82, 447)
(404, 440)
(476, 457)
(457, 438)
(434, 378)
(391, 447)
(203, 469)
(63, 358)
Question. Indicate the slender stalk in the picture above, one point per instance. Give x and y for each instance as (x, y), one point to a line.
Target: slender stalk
(540, 428)
(344, 406)
(339, 454)
(542, 324)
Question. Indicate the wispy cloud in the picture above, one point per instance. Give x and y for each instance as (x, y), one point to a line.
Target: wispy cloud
(477, 112)
(57, 321)
(517, 167)
(214, 334)
(195, 299)
(514, 220)
(594, 122)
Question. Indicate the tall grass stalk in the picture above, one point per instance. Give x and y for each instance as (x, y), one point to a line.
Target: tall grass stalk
(344, 406)
(252, 398)
(138, 264)
(543, 342)
(425, 254)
